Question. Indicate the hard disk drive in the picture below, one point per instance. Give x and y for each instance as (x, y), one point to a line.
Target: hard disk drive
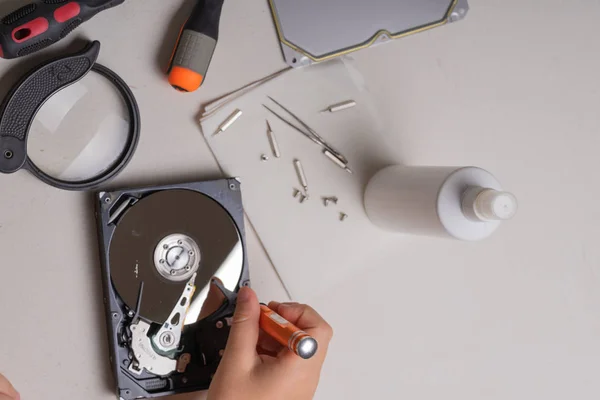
(161, 250)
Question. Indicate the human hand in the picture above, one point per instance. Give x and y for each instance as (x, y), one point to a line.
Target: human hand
(7, 391)
(255, 367)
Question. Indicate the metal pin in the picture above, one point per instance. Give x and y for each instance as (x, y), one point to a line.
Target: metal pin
(273, 141)
(296, 193)
(303, 198)
(343, 217)
(339, 162)
(340, 106)
(264, 158)
(301, 176)
(229, 121)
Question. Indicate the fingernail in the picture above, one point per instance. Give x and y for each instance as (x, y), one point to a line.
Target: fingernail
(244, 295)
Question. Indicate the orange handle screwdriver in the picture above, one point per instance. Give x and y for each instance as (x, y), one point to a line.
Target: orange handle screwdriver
(195, 46)
(287, 334)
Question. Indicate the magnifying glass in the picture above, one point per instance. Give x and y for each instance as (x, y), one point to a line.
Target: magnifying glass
(72, 123)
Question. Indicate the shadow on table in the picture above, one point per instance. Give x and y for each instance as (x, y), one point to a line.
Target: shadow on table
(172, 30)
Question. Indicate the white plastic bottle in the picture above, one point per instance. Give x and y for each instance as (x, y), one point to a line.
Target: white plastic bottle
(462, 203)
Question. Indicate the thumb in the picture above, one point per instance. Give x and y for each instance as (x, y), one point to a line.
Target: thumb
(243, 338)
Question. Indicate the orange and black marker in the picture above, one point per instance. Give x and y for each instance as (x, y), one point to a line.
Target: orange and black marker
(287, 334)
(195, 46)
(42, 23)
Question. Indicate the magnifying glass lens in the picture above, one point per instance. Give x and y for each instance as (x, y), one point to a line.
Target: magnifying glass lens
(81, 131)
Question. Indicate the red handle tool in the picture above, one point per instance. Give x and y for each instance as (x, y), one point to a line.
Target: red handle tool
(44, 22)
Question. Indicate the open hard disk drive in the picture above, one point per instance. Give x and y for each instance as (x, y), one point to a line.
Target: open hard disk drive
(168, 317)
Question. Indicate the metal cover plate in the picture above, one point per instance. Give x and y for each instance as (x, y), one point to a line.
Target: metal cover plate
(317, 30)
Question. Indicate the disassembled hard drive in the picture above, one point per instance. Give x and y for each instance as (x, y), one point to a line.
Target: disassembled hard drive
(318, 30)
(173, 259)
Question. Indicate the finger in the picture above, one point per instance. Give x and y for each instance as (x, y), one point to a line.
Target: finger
(267, 344)
(305, 318)
(7, 391)
(243, 338)
(275, 304)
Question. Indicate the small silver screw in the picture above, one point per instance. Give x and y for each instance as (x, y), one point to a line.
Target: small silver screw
(107, 200)
(264, 158)
(296, 193)
(343, 217)
(219, 324)
(303, 198)
(232, 186)
(165, 246)
(161, 261)
(173, 272)
(179, 242)
(188, 268)
(191, 253)
(115, 315)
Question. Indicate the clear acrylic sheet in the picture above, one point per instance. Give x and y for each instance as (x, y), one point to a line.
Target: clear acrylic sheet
(308, 244)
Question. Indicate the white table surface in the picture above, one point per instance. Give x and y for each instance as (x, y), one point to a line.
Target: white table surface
(514, 89)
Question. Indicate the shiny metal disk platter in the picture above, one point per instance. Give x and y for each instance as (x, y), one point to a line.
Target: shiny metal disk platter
(163, 240)
(318, 30)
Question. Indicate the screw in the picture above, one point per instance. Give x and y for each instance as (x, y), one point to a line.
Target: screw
(191, 253)
(296, 193)
(264, 158)
(165, 246)
(133, 328)
(232, 186)
(180, 242)
(115, 315)
(219, 324)
(303, 198)
(8, 154)
(343, 217)
(107, 200)
(188, 268)
(329, 200)
(162, 261)
(173, 272)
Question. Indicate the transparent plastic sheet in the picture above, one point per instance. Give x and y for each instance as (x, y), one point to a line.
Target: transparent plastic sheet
(81, 131)
(308, 244)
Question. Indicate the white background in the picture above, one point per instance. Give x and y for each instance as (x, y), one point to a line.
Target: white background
(513, 89)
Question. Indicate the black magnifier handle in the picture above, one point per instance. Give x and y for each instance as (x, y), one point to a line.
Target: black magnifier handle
(18, 110)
